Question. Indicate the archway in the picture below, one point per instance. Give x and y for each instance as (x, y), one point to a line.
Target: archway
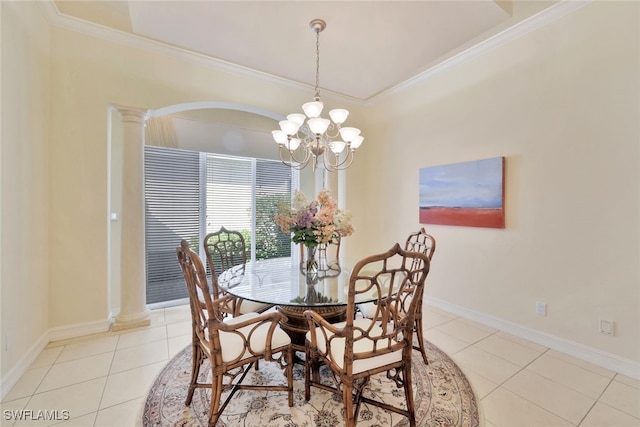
(126, 141)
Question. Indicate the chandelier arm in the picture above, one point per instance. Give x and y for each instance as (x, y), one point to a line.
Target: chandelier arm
(344, 166)
(339, 165)
(305, 135)
(294, 165)
(352, 155)
(332, 135)
(292, 161)
(292, 156)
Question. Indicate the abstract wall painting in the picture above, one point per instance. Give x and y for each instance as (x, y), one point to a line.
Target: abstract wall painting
(468, 194)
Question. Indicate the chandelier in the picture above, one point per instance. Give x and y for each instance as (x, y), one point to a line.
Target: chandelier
(303, 138)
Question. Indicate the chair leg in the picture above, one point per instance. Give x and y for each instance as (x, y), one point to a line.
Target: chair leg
(216, 393)
(408, 391)
(418, 328)
(290, 375)
(307, 373)
(315, 366)
(347, 401)
(197, 357)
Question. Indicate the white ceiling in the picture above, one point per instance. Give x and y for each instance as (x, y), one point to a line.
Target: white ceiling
(367, 47)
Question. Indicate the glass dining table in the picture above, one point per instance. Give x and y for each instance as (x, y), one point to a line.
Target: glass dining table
(284, 283)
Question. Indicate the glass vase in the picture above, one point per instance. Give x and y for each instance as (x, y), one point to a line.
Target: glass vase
(311, 265)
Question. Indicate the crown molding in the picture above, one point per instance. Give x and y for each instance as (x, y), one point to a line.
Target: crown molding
(542, 18)
(57, 19)
(534, 22)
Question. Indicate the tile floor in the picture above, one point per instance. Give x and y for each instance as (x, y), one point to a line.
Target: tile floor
(102, 380)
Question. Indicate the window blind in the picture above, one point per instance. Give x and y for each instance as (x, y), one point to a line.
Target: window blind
(229, 195)
(273, 185)
(172, 194)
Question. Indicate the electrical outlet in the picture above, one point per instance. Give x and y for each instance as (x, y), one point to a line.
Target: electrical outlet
(541, 308)
(8, 341)
(607, 327)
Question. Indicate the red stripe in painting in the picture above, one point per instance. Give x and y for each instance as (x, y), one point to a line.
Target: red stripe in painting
(470, 217)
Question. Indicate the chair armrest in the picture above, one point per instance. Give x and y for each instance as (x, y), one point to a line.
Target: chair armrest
(223, 306)
(315, 320)
(273, 317)
(247, 324)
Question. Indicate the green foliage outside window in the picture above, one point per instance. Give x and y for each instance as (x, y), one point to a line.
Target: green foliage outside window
(271, 242)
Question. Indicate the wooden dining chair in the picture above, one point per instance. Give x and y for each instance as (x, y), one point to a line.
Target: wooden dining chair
(231, 346)
(359, 348)
(420, 241)
(225, 249)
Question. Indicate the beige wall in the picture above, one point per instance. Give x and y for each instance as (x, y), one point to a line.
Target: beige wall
(24, 193)
(561, 104)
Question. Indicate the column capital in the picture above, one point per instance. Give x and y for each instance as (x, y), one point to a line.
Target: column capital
(131, 114)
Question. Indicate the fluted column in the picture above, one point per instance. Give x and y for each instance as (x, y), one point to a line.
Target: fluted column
(133, 310)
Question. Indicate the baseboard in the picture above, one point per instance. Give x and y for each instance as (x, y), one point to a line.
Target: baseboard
(79, 330)
(55, 334)
(598, 357)
(14, 374)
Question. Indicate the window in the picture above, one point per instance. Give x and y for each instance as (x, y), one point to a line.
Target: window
(189, 194)
(172, 193)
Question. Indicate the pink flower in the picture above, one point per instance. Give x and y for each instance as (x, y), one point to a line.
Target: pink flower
(317, 222)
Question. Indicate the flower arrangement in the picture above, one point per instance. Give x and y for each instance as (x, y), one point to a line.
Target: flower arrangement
(316, 222)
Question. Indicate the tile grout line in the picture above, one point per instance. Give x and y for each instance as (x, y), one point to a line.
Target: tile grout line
(598, 400)
(106, 382)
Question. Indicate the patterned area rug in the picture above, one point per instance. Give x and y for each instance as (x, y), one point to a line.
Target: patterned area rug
(442, 393)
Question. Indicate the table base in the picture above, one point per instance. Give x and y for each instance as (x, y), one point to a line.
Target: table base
(297, 326)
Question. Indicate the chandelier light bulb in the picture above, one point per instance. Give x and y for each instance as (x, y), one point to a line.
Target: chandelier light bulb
(318, 125)
(337, 146)
(313, 109)
(356, 141)
(279, 136)
(297, 118)
(349, 133)
(338, 115)
(289, 127)
(293, 144)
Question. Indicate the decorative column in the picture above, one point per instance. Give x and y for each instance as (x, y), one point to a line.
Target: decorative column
(133, 311)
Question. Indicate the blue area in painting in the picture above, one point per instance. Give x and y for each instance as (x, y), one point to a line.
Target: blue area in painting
(476, 184)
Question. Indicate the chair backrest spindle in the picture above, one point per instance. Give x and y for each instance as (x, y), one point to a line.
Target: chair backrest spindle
(224, 249)
(397, 278)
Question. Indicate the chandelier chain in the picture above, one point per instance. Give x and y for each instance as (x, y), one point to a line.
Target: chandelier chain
(317, 95)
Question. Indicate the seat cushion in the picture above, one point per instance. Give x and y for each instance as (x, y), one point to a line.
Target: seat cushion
(240, 318)
(248, 306)
(360, 346)
(233, 345)
(368, 309)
